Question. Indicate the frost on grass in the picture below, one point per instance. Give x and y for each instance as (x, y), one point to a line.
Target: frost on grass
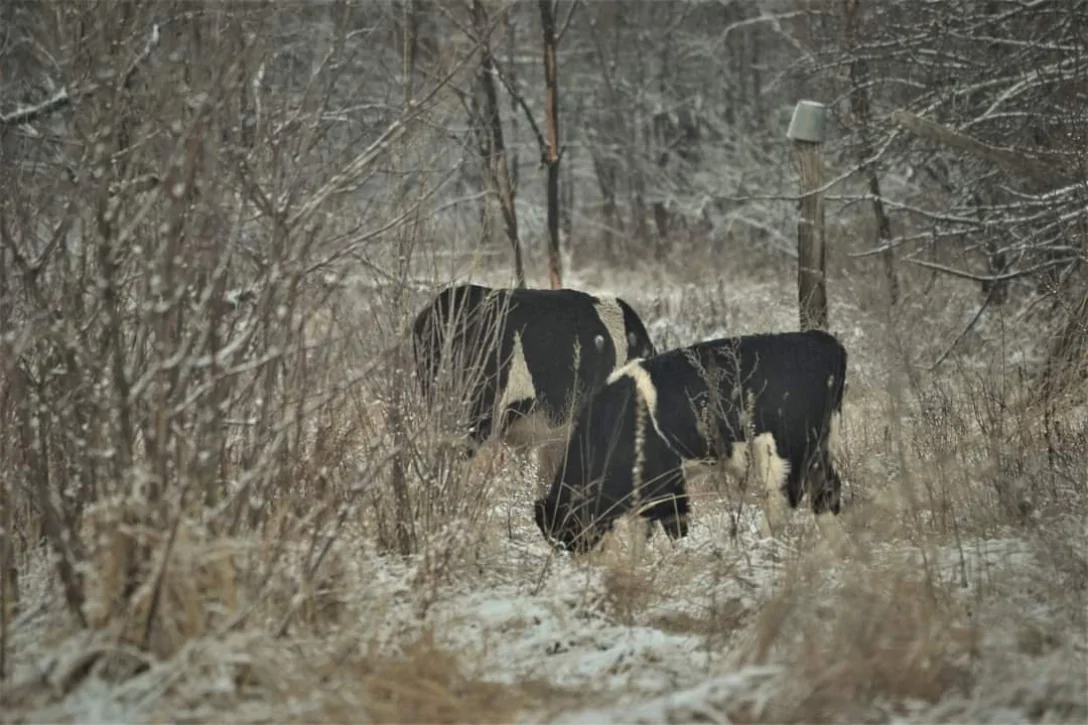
(929, 610)
(513, 637)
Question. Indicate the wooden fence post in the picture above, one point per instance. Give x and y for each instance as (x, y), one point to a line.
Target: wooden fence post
(807, 131)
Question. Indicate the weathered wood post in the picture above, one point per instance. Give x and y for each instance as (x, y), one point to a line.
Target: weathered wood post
(808, 131)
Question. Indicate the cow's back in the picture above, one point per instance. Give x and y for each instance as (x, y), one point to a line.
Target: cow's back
(566, 345)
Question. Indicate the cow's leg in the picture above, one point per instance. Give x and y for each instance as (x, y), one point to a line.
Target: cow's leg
(673, 515)
(671, 506)
(826, 488)
(826, 500)
(675, 525)
(480, 425)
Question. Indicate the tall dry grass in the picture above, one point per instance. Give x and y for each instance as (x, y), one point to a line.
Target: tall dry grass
(191, 419)
(238, 505)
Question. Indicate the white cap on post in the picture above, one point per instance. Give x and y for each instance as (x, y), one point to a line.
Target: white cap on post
(809, 122)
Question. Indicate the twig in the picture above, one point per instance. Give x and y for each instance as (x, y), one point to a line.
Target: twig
(566, 21)
(967, 328)
(524, 107)
(160, 575)
(64, 97)
(376, 149)
(1010, 160)
(152, 41)
(28, 114)
(988, 277)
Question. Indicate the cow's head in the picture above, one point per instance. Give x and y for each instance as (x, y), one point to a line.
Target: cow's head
(562, 526)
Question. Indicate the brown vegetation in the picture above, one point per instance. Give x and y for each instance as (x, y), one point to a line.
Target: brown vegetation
(221, 496)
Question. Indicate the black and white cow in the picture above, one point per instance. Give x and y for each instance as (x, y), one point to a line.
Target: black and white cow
(768, 405)
(553, 347)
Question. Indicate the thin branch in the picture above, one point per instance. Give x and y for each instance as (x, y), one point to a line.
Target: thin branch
(1010, 160)
(64, 97)
(566, 21)
(952, 271)
(524, 106)
(967, 328)
(357, 165)
(152, 41)
(28, 114)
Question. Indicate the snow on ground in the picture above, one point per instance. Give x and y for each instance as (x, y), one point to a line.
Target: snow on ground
(664, 631)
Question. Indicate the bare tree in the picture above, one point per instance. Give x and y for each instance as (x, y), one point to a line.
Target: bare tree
(395, 410)
(551, 154)
(860, 107)
(492, 123)
(165, 263)
(994, 152)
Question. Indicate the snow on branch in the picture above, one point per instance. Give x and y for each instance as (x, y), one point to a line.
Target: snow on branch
(63, 97)
(1010, 160)
(29, 114)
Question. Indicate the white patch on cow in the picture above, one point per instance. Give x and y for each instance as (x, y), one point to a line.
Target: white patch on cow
(697, 469)
(611, 316)
(644, 386)
(598, 342)
(645, 406)
(645, 395)
(771, 471)
(620, 371)
(736, 464)
(834, 439)
(771, 468)
(519, 381)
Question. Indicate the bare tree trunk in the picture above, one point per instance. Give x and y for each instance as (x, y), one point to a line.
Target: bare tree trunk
(861, 109)
(512, 77)
(635, 168)
(9, 580)
(566, 193)
(753, 36)
(498, 162)
(403, 504)
(663, 136)
(616, 125)
(606, 179)
(566, 186)
(483, 150)
(552, 155)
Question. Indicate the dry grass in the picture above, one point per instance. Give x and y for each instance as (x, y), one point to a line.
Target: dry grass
(241, 511)
(427, 684)
(942, 590)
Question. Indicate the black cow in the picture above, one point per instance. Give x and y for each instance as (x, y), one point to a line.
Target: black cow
(553, 347)
(772, 402)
